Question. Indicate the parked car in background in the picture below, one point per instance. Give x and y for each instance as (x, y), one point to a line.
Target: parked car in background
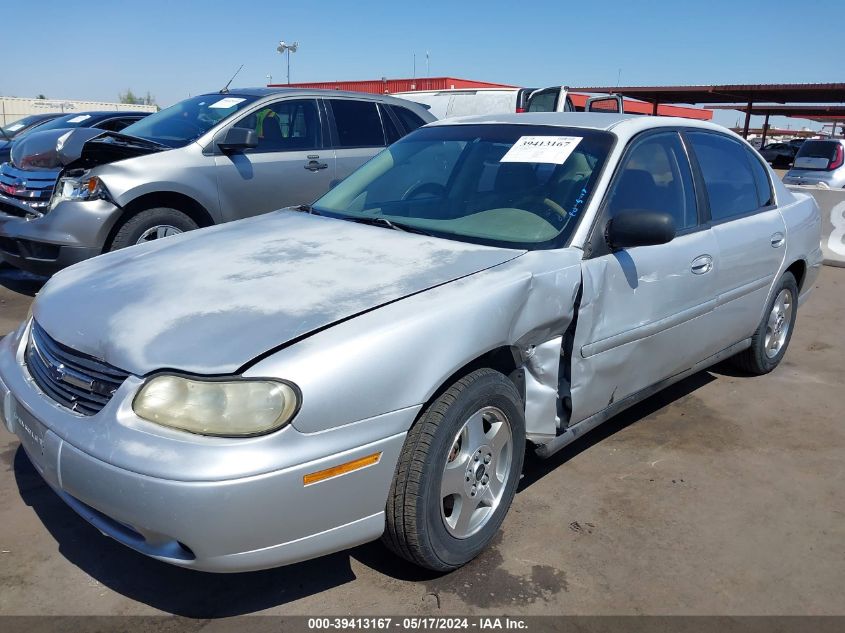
(819, 162)
(796, 142)
(294, 384)
(24, 192)
(13, 130)
(208, 159)
(475, 101)
(779, 154)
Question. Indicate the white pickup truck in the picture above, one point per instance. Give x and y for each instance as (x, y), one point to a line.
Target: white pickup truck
(475, 101)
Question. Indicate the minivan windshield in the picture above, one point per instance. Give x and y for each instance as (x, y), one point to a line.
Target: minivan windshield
(186, 121)
(517, 186)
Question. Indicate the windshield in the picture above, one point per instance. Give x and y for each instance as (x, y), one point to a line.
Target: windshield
(186, 121)
(59, 123)
(13, 129)
(516, 186)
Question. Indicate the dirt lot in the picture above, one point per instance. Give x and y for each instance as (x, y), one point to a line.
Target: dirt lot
(723, 495)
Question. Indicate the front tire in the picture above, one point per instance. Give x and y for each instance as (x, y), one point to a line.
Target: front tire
(770, 340)
(458, 473)
(149, 225)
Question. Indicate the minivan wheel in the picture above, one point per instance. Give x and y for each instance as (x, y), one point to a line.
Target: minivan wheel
(149, 225)
(770, 340)
(458, 473)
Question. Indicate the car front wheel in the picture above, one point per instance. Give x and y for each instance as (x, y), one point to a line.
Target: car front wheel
(458, 473)
(149, 225)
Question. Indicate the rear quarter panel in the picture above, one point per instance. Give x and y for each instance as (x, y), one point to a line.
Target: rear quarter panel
(803, 236)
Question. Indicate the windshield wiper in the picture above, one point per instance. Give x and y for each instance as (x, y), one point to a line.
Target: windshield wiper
(388, 224)
(306, 208)
(128, 139)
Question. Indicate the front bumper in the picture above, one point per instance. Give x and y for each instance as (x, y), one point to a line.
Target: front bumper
(70, 233)
(226, 525)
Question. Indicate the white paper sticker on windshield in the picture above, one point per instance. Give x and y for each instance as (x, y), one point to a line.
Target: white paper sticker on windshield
(542, 149)
(15, 127)
(79, 119)
(226, 102)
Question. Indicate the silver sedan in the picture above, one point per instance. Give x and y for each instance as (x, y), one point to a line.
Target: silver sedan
(278, 388)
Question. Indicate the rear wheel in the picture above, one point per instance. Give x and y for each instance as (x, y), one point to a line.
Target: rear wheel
(769, 342)
(458, 473)
(151, 224)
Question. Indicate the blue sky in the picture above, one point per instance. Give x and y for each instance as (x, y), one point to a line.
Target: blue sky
(95, 50)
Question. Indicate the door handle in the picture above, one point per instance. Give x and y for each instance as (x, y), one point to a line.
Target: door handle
(315, 165)
(778, 239)
(701, 264)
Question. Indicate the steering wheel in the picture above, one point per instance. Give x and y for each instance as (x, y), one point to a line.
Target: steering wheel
(554, 206)
(434, 189)
(189, 126)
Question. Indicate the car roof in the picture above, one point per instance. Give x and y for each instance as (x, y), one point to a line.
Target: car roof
(621, 124)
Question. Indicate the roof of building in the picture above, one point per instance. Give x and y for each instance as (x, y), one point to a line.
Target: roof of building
(817, 112)
(729, 93)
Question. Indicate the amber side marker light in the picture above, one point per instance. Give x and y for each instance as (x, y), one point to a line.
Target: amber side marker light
(341, 469)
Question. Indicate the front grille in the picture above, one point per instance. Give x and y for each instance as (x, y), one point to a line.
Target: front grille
(33, 188)
(76, 381)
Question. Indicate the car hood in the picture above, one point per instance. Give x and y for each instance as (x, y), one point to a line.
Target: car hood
(210, 301)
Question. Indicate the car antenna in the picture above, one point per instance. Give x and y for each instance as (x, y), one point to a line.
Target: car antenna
(225, 89)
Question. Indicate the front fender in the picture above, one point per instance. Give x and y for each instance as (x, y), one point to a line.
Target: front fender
(399, 355)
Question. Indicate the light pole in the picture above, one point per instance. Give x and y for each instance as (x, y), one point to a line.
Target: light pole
(283, 48)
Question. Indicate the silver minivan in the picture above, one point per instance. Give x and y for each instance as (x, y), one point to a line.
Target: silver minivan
(206, 160)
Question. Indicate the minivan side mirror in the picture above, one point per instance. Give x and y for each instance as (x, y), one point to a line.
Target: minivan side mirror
(639, 227)
(238, 138)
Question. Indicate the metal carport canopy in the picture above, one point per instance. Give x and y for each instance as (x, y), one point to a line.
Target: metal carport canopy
(746, 94)
(821, 113)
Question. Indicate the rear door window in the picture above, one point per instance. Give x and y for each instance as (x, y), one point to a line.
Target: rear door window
(358, 123)
(728, 176)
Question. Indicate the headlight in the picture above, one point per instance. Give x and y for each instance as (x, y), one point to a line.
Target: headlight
(225, 408)
(78, 188)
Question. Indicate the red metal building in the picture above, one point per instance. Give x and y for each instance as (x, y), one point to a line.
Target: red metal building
(389, 86)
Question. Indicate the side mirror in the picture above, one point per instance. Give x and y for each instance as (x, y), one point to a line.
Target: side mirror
(639, 227)
(238, 138)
